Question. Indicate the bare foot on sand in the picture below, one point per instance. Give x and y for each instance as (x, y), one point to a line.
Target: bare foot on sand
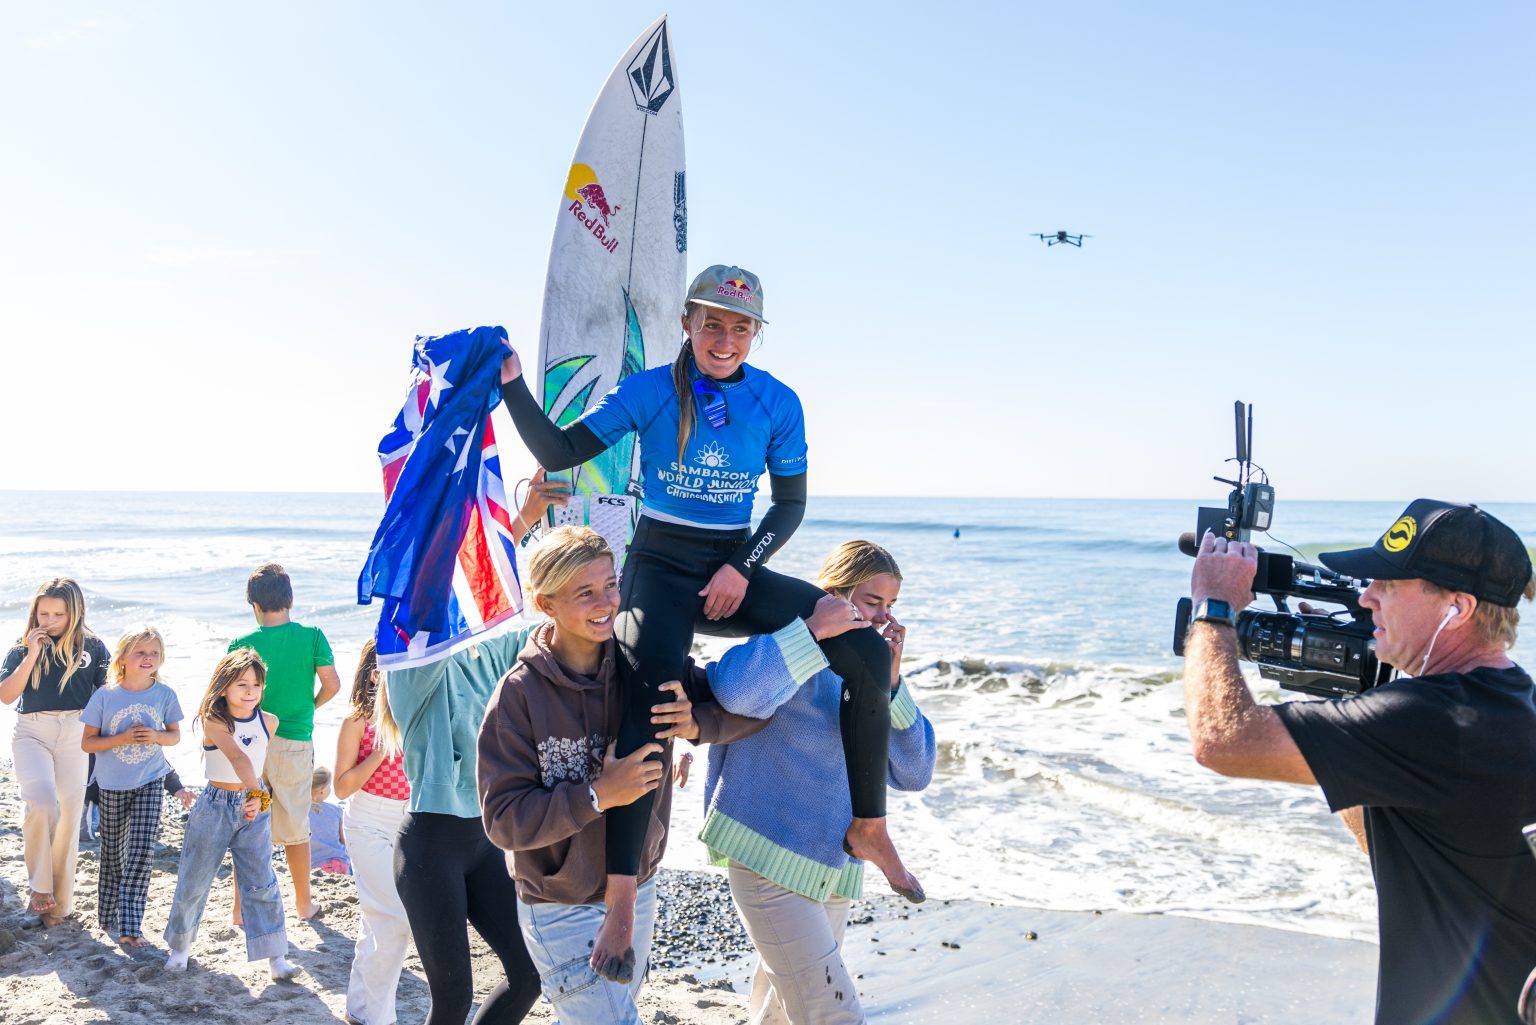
(133, 942)
(51, 920)
(868, 841)
(310, 914)
(613, 952)
(41, 903)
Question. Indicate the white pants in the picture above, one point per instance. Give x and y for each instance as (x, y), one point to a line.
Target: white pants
(800, 977)
(50, 773)
(371, 824)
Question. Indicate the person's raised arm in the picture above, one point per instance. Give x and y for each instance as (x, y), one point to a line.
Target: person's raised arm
(15, 682)
(555, 448)
(758, 675)
(1231, 733)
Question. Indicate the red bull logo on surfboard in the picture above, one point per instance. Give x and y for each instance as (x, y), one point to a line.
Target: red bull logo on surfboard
(590, 205)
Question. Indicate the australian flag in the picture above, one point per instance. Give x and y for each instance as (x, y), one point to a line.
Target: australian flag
(444, 557)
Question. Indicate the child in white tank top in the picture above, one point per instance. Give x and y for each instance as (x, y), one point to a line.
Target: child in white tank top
(231, 815)
(252, 737)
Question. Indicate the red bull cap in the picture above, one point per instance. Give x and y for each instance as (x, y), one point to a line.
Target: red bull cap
(729, 288)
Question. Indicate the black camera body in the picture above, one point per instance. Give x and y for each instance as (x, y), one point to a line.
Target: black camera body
(1330, 655)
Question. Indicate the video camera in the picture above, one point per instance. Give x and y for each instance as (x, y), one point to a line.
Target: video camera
(1330, 655)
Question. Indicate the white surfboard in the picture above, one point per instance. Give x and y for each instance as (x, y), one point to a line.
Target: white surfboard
(614, 291)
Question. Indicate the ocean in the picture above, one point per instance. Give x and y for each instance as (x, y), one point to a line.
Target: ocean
(1038, 644)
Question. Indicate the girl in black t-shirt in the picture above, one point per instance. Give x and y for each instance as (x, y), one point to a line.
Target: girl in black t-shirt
(55, 666)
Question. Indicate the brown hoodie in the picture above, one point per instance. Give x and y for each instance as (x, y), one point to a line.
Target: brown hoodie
(541, 745)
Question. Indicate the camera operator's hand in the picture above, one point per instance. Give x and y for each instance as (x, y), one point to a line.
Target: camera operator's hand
(1224, 570)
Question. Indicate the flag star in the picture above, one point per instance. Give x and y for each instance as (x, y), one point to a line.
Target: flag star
(440, 382)
(463, 462)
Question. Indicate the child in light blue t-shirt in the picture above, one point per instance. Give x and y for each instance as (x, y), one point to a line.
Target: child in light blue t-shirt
(327, 840)
(127, 723)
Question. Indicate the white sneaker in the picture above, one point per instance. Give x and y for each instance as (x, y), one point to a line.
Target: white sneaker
(282, 969)
(178, 961)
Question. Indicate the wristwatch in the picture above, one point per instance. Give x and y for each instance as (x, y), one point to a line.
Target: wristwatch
(592, 793)
(1214, 610)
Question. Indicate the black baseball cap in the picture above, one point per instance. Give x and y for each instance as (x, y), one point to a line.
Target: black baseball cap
(1459, 547)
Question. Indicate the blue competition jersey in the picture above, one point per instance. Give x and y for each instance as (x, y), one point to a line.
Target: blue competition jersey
(716, 485)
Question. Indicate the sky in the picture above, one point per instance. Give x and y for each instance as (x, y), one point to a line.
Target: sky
(222, 225)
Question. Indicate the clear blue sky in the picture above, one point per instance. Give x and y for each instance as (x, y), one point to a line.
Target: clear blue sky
(223, 224)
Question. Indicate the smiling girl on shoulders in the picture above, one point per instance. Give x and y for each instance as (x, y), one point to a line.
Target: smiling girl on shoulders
(708, 428)
(126, 725)
(231, 815)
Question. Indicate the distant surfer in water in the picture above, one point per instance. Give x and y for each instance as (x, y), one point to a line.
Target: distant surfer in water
(696, 562)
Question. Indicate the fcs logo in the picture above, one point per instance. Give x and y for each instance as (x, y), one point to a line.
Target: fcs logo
(1400, 535)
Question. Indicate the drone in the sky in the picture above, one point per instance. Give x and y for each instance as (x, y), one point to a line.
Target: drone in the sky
(1056, 238)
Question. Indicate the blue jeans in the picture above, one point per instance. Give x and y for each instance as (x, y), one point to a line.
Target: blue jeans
(214, 826)
(559, 939)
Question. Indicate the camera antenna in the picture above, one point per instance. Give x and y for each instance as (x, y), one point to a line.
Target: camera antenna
(1243, 431)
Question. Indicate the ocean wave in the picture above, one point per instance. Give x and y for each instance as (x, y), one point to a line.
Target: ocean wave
(1051, 680)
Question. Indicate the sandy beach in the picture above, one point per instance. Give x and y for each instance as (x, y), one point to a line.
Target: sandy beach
(943, 961)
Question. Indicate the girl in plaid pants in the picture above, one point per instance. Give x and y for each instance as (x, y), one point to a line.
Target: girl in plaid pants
(126, 725)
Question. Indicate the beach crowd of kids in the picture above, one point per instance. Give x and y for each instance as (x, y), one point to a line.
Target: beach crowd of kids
(521, 786)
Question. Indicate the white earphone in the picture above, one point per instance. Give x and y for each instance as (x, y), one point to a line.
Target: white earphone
(1451, 612)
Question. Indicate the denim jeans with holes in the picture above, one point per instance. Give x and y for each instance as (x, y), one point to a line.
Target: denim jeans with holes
(559, 939)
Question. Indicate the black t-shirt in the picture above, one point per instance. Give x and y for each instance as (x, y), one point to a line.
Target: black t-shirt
(46, 697)
(1445, 767)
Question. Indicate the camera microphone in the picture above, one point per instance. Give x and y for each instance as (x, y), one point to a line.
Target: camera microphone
(1189, 544)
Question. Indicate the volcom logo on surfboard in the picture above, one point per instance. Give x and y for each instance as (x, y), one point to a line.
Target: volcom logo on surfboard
(650, 73)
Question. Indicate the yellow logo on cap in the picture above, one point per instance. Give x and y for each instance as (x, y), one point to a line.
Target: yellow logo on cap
(1400, 535)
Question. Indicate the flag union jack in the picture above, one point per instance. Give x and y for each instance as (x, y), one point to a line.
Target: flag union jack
(444, 559)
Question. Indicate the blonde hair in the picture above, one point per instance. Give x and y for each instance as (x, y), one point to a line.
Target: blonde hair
(66, 650)
(215, 706)
(387, 732)
(1497, 625)
(687, 410)
(853, 562)
(125, 643)
(563, 553)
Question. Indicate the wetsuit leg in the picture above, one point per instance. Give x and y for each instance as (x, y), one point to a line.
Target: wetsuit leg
(860, 658)
(666, 568)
